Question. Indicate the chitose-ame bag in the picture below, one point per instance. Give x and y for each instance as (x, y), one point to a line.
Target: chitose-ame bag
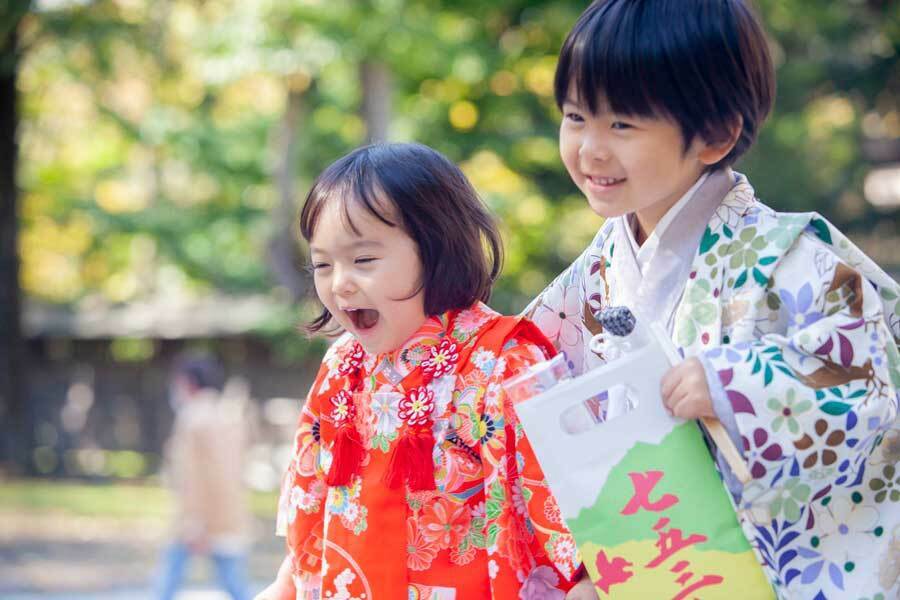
(638, 488)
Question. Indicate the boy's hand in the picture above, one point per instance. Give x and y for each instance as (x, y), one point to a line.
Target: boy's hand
(583, 590)
(685, 393)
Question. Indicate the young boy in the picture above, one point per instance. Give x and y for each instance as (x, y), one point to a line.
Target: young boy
(790, 332)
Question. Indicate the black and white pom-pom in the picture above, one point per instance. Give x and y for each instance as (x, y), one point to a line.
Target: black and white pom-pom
(617, 320)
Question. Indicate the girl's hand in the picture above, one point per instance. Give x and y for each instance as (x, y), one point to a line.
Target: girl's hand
(684, 391)
(283, 586)
(583, 590)
(277, 590)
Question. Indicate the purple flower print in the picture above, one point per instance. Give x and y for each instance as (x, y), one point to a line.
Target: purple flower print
(798, 308)
(730, 355)
(758, 453)
(541, 584)
(739, 402)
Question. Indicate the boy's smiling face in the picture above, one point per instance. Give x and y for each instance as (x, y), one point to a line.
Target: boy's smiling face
(627, 164)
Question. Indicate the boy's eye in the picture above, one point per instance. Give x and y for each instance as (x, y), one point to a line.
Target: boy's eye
(318, 266)
(574, 117)
(620, 125)
(365, 259)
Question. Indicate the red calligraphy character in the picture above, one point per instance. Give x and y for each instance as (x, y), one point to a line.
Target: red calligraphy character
(671, 541)
(705, 581)
(680, 565)
(643, 484)
(611, 572)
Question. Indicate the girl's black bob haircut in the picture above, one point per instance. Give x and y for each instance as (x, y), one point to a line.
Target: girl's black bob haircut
(704, 64)
(418, 189)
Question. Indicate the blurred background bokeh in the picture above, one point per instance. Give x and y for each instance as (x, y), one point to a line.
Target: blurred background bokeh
(152, 158)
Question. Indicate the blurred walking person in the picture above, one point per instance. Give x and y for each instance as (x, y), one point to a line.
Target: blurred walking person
(205, 459)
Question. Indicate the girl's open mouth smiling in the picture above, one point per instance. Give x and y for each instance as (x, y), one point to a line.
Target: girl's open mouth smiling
(363, 318)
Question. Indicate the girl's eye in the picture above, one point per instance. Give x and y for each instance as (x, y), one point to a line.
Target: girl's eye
(574, 117)
(620, 125)
(365, 259)
(318, 266)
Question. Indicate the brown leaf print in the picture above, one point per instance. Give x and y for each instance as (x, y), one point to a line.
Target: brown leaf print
(825, 452)
(834, 375)
(590, 321)
(845, 277)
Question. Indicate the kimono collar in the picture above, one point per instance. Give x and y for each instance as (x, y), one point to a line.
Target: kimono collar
(644, 252)
(391, 367)
(417, 347)
(411, 460)
(657, 293)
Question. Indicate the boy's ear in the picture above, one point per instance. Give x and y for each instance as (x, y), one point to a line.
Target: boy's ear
(711, 153)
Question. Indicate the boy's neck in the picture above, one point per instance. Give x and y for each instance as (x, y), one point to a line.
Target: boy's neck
(645, 221)
(648, 219)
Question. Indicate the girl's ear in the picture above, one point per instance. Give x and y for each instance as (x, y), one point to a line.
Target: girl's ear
(711, 153)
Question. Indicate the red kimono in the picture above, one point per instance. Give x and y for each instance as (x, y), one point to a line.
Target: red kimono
(490, 529)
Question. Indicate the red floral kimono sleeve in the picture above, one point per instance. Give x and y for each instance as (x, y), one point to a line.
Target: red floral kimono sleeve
(524, 526)
(301, 507)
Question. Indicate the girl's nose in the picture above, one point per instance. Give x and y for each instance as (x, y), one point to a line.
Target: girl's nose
(342, 282)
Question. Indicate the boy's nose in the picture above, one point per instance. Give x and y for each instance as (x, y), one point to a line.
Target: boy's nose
(592, 149)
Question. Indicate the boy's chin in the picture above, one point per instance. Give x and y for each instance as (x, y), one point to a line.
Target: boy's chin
(604, 209)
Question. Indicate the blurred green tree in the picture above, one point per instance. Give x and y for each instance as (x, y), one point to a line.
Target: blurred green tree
(165, 145)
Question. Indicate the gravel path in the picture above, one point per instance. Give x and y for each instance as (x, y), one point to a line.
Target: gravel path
(54, 557)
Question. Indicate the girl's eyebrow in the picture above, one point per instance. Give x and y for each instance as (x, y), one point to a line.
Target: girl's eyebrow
(363, 243)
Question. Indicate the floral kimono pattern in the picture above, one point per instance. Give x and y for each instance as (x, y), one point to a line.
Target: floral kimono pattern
(491, 529)
(798, 331)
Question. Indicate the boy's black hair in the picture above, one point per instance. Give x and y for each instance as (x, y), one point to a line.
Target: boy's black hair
(418, 189)
(702, 63)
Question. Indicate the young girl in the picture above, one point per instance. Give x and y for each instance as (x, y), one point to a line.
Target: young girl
(411, 477)
(790, 332)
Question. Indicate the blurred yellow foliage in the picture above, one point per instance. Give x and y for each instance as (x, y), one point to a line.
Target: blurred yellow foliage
(490, 175)
(51, 257)
(129, 96)
(826, 115)
(504, 83)
(257, 94)
(121, 286)
(539, 76)
(531, 210)
(463, 115)
(121, 196)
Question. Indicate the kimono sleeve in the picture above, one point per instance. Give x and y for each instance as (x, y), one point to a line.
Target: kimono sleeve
(811, 399)
(303, 490)
(523, 519)
(558, 312)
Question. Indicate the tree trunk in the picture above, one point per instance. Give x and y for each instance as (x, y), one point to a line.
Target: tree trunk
(376, 102)
(283, 257)
(16, 437)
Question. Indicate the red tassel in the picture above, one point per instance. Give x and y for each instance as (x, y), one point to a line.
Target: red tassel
(397, 467)
(420, 465)
(412, 461)
(347, 455)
